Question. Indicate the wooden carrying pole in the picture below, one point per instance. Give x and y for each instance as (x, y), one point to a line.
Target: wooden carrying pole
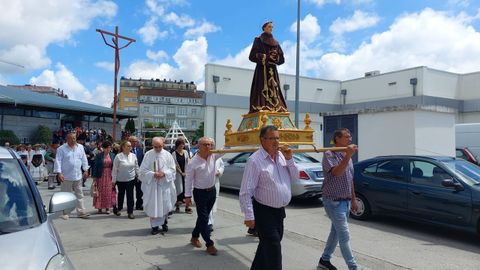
(299, 150)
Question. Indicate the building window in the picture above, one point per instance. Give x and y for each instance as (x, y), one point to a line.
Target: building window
(157, 120)
(146, 109)
(194, 124)
(169, 122)
(170, 110)
(182, 111)
(194, 111)
(159, 110)
(130, 99)
(181, 123)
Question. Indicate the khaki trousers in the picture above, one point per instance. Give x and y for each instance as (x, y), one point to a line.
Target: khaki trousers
(76, 187)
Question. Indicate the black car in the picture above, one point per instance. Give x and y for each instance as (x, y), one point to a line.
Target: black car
(439, 190)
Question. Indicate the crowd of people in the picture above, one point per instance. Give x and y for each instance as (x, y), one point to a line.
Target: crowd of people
(160, 182)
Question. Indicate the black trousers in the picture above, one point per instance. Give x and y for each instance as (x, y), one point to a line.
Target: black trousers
(125, 187)
(269, 226)
(204, 201)
(138, 193)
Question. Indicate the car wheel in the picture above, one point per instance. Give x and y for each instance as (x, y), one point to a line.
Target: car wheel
(364, 210)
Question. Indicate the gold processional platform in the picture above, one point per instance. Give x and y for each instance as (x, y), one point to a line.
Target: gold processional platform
(247, 133)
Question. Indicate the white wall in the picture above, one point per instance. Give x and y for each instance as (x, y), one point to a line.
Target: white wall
(406, 133)
(434, 133)
(386, 133)
(439, 83)
(469, 86)
(384, 86)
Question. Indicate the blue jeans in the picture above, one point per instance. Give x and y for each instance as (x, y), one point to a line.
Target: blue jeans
(338, 212)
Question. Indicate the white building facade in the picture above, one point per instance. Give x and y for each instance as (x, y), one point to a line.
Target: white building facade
(411, 111)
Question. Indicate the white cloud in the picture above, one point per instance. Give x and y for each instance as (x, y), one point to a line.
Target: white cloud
(157, 56)
(239, 60)
(428, 38)
(324, 2)
(149, 33)
(359, 20)
(64, 79)
(154, 7)
(309, 29)
(42, 23)
(201, 30)
(109, 66)
(180, 21)
(190, 61)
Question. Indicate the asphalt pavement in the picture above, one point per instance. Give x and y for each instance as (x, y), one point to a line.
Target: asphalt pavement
(111, 242)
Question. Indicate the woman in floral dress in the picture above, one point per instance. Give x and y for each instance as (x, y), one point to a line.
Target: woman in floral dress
(102, 177)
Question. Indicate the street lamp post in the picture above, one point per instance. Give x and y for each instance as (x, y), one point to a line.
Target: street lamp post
(297, 74)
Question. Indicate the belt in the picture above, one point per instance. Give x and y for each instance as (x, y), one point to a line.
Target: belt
(206, 189)
(341, 199)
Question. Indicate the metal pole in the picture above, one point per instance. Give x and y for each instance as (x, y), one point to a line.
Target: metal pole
(297, 74)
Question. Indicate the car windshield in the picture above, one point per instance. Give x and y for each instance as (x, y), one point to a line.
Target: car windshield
(466, 170)
(17, 207)
(304, 158)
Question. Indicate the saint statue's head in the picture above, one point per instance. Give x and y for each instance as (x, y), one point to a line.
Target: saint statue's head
(267, 27)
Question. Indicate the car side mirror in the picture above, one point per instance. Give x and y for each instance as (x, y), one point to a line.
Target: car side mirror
(451, 183)
(62, 201)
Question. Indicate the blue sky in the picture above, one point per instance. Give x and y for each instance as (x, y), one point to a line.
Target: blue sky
(56, 43)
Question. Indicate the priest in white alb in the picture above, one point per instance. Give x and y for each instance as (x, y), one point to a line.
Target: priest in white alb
(157, 174)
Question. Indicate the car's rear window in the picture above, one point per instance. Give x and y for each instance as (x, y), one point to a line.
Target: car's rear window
(304, 158)
(17, 206)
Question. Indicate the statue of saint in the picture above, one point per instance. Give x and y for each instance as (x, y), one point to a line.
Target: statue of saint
(266, 93)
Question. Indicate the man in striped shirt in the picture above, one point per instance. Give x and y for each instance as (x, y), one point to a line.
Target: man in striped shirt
(339, 199)
(264, 193)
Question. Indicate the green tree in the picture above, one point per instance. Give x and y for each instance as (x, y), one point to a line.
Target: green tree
(148, 125)
(199, 132)
(130, 126)
(8, 136)
(161, 125)
(42, 135)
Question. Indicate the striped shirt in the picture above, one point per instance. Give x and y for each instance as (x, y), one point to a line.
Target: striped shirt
(200, 173)
(267, 181)
(336, 187)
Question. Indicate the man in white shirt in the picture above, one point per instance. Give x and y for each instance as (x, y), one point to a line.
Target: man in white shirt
(200, 179)
(157, 174)
(69, 161)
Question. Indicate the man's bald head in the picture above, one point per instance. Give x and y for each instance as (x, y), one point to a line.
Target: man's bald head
(157, 143)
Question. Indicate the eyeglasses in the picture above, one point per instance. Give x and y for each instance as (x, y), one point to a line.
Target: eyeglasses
(207, 144)
(272, 138)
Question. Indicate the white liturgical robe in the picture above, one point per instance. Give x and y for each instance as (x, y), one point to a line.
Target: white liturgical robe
(159, 194)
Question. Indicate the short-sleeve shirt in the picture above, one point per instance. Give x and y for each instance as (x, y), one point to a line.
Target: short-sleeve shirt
(336, 187)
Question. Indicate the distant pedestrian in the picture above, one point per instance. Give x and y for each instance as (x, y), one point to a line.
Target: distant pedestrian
(181, 157)
(201, 179)
(157, 174)
(69, 161)
(338, 196)
(138, 151)
(102, 177)
(219, 168)
(124, 173)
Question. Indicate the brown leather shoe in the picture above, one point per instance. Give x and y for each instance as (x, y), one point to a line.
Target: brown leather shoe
(195, 242)
(212, 250)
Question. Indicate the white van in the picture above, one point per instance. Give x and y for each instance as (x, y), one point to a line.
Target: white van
(468, 136)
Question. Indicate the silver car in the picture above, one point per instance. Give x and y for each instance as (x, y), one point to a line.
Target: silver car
(28, 238)
(307, 185)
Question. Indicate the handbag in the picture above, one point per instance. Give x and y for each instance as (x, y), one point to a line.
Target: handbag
(94, 189)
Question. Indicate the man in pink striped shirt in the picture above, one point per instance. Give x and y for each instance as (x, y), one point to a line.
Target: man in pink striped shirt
(264, 193)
